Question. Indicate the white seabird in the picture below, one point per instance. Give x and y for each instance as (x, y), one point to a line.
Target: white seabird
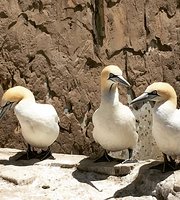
(114, 123)
(39, 122)
(166, 119)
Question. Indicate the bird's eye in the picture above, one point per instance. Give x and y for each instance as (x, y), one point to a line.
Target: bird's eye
(111, 75)
(154, 92)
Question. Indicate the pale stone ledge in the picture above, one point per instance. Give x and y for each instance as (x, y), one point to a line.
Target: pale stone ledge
(77, 177)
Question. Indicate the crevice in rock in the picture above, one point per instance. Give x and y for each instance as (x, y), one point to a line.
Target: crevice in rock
(89, 30)
(131, 91)
(3, 15)
(98, 21)
(12, 77)
(89, 106)
(46, 57)
(124, 49)
(156, 43)
(178, 78)
(31, 58)
(79, 8)
(165, 9)
(178, 4)
(111, 3)
(62, 129)
(12, 24)
(38, 5)
(41, 27)
(35, 4)
(68, 107)
(92, 63)
(86, 120)
(67, 18)
(145, 21)
(51, 93)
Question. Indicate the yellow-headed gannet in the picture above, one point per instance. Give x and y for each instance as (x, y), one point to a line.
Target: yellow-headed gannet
(114, 123)
(39, 122)
(166, 119)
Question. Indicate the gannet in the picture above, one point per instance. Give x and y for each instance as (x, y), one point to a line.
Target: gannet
(166, 119)
(114, 123)
(39, 122)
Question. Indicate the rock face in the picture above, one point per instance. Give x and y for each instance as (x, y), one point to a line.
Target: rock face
(60, 179)
(58, 49)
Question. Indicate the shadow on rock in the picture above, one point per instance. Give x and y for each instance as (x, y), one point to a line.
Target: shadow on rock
(145, 182)
(13, 160)
(89, 171)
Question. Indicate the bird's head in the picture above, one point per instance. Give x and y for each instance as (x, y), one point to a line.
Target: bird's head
(158, 92)
(112, 75)
(14, 95)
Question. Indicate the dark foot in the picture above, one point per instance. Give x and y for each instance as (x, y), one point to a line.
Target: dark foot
(107, 158)
(130, 153)
(130, 160)
(28, 155)
(168, 165)
(45, 154)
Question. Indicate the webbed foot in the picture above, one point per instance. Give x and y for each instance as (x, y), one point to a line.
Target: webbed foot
(107, 158)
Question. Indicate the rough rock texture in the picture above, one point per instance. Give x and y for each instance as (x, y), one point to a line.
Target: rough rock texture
(58, 48)
(60, 179)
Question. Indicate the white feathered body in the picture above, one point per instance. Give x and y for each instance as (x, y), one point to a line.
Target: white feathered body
(114, 127)
(39, 123)
(166, 128)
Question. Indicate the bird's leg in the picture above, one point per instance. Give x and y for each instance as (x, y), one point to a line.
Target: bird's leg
(172, 161)
(169, 163)
(130, 160)
(165, 162)
(107, 158)
(45, 154)
(29, 154)
(130, 151)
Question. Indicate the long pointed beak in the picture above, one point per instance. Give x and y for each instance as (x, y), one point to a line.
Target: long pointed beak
(143, 97)
(4, 109)
(122, 81)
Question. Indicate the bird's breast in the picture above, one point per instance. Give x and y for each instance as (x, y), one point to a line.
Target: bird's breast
(114, 129)
(39, 128)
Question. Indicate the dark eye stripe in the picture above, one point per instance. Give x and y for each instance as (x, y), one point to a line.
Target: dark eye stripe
(8, 103)
(154, 92)
(111, 75)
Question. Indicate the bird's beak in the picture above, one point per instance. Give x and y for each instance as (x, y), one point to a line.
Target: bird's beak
(120, 79)
(143, 97)
(5, 108)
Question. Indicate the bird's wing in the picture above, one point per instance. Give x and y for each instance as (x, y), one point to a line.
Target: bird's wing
(40, 113)
(175, 120)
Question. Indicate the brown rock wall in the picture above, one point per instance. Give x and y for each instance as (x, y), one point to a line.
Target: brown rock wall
(58, 49)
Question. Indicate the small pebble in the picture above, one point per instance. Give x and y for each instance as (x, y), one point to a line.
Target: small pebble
(45, 186)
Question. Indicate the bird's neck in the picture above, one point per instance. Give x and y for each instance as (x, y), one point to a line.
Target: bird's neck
(110, 95)
(164, 109)
(28, 96)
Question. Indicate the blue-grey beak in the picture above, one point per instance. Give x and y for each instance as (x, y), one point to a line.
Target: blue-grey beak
(120, 79)
(5, 108)
(144, 98)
